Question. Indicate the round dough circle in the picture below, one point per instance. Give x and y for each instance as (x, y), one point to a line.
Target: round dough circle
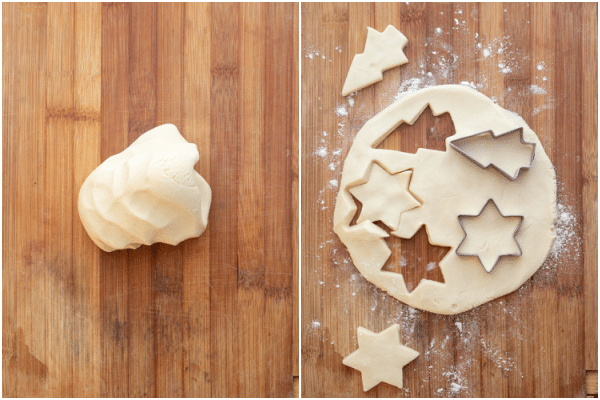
(448, 185)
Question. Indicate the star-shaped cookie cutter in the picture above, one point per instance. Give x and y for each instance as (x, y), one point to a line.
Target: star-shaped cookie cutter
(510, 177)
(520, 252)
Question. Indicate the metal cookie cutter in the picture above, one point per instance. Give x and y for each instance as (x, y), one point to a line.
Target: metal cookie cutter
(455, 145)
(460, 221)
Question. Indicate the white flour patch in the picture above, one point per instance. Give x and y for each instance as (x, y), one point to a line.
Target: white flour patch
(341, 111)
(567, 238)
(459, 325)
(322, 152)
(535, 89)
(407, 87)
(456, 388)
(469, 84)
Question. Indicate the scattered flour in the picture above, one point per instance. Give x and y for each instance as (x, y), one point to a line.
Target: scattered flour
(322, 152)
(469, 84)
(567, 238)
(550, 104)
(341, 111)
(455, 387)
(407, 87)
(535, 89)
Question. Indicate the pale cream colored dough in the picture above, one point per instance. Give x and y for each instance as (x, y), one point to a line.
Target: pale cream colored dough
(146, 194)
(383, 50)
(380, 190)
(448, 185)
(380, 357)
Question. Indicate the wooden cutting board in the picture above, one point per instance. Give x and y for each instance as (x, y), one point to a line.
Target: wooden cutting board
(213, 316)
(539, 61)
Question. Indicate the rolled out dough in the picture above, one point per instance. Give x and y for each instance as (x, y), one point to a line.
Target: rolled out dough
(448, 185)
(148, 193)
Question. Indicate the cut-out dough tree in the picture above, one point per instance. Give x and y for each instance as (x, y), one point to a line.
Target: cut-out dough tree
(384, 197)
(383, 50)
(489, 235)
(380, 357)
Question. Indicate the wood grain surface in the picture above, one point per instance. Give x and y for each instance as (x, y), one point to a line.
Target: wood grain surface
(539, 61)
(213, 316)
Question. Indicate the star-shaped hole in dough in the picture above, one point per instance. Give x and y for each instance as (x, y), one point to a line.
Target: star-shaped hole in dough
(380, 357)
(489, 235)
(385, 197)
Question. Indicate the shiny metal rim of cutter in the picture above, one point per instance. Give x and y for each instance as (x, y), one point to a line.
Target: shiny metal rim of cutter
(520, 253)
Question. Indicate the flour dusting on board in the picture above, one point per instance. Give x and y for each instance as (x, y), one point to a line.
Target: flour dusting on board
(454, 343)
(568, 240)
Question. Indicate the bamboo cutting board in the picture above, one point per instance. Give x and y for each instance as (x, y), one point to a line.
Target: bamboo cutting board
(213, 316)
(539, 61)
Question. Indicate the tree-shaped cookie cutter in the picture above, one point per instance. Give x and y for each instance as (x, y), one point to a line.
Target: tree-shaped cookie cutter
(494, 136)
(518, 254)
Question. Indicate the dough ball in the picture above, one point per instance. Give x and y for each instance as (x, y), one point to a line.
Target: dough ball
(146, 194)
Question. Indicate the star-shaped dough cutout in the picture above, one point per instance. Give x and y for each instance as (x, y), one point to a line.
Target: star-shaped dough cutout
(489, 235)
(384, 197)
(380, 357)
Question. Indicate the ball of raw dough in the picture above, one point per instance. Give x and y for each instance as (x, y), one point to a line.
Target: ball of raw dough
(146, 194)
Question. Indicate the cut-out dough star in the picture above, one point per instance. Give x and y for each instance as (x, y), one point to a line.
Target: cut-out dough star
(385, 197)
(380, 357)
(489, 235)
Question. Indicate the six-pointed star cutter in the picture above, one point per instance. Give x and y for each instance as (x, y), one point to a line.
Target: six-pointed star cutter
(460, 221)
